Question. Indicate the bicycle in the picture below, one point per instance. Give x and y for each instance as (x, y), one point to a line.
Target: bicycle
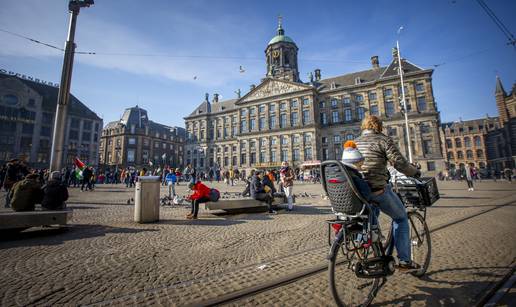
(360, 259)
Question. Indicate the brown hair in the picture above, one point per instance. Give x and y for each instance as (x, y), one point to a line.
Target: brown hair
(372, 122)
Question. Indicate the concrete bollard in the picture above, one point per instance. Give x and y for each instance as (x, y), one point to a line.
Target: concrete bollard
(146, 199)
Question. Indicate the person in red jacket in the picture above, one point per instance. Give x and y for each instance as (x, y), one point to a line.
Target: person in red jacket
(201, 194)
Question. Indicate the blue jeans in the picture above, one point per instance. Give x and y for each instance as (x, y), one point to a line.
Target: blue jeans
(390, 204)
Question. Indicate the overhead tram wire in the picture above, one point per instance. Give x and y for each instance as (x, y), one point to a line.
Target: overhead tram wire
(220, 57)
(32, 40)
(499, 23)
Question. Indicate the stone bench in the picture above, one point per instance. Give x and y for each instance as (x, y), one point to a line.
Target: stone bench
(27, 219)
(246, 204)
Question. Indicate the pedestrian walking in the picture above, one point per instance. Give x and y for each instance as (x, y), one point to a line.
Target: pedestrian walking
(287, 180)
(469, 177)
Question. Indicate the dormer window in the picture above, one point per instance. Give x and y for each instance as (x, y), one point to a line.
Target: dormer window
(333, 86)
(358, 80)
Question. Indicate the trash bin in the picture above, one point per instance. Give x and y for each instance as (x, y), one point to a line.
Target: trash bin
(146, 199)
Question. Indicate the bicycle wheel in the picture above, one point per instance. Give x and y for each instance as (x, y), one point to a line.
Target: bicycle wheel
(346, 288)
(420, 243)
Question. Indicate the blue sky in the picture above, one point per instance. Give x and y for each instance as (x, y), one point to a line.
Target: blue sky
(211, 39)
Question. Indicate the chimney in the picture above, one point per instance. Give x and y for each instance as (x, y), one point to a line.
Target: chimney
(317, 74)
(215, 98)
(375, 62)
(252, 87)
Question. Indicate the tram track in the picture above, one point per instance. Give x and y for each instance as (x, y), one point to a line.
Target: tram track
(274, 283)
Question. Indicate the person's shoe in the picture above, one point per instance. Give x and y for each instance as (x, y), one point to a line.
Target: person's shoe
(472, 189)
(404, 266)
(189, 215)
(272, 212)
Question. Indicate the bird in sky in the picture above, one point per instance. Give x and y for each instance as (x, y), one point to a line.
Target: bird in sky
(195, 77)
(242, 70)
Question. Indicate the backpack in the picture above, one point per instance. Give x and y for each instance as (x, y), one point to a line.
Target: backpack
(214, 195)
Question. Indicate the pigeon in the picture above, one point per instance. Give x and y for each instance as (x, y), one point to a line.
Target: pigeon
(242, 70)
(195, 77)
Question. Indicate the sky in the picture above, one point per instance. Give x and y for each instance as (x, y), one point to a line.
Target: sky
(164, 55)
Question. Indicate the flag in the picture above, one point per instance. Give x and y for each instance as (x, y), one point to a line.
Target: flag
(79, 167)
(150, 163)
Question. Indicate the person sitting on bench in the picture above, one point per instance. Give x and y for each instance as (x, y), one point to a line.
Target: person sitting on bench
(201, 194)
(55, 193)
(25, 194)
(258, 191)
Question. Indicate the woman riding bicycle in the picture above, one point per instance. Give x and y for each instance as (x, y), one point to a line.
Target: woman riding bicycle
(378, 149)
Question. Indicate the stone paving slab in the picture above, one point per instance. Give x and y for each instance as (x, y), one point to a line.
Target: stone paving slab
(105, 256)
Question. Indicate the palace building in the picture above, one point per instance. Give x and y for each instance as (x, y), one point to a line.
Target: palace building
(27, 116)
(136, 141)
(285, 119)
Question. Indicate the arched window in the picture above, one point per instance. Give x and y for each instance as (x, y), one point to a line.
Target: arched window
(450, 155)
(449, 143)
(480, 153)
(469, 154)
(467, 142)
(478, 141)
(458, 143)
(460, 155)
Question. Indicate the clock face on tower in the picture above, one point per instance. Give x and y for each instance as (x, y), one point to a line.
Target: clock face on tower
(275, 53)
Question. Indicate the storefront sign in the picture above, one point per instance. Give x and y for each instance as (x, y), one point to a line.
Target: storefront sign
(15, 74)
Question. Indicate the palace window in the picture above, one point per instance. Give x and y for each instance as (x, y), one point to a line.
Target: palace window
(346, 100)
(324, 140)
(458, 143)
(389, 108)
(261, 108)
(360, 113)
(272, 107)
(359, 98)
(252, 111)
(273, 156)
(261, 123)
(480, 154)
(253, 124)
(469, 154)
(374, 110)
(427, 147)
(283, 120)
(467, 142)
(272, 122)
(293, 119)
(306, 101)
(324, 119)
(333, 103)
(308, 153)
(335, 117)
(420, 87)
(284, 155)
(336, 139)
(322, 104)
(350, 137)
(283, 106)
(306, 117)
(421, 103)
(293, 103)
(372, 96)
(295, 154)
(449, 143)
(387, 92)
(347, 115)
(477, 141)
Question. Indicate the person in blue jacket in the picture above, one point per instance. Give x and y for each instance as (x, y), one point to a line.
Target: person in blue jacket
(171, 180)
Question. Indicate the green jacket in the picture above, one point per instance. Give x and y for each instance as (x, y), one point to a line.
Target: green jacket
(25, 194)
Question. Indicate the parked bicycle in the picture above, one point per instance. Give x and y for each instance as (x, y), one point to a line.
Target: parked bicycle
(360, 257)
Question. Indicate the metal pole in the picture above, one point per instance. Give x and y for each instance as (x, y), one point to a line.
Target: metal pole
(56, 158)
(407, 130)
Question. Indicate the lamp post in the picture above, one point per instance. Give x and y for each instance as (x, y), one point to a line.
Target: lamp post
(56, 157)
(404, 101)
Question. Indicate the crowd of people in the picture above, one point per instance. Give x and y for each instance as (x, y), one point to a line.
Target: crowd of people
(26, 187)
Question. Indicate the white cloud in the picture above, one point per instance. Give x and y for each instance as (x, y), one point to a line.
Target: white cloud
(47, 21)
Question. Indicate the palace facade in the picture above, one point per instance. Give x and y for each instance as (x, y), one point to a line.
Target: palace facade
(285, 119)
(136, 141)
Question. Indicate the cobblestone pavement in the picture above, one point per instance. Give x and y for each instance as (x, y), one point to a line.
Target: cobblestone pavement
(104, 258)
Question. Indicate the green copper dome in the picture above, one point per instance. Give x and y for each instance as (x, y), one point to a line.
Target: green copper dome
(280, 38)
(280, 35)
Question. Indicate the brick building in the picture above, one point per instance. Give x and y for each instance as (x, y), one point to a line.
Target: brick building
(27, 115)
(136, 141)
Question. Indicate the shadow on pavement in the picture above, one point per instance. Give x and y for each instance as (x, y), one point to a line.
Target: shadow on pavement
(458, 292)
(201, 222)
(43, 236)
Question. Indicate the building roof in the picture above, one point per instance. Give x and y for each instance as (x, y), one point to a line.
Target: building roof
(281, 38)
(370, 75)
(499, 86)
(215, 107)
(49, 94)
(470, 122)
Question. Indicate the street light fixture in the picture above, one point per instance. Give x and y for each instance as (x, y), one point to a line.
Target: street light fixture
(56, 157)
(404, 101)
